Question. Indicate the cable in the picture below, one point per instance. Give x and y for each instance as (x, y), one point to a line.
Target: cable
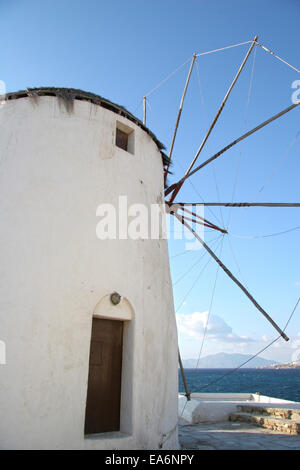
(167, 78)
(188, 60)
(231, 371)
(265, 236)
(277, 56)
(206, 123)
(293, 311)
(210, 307)
(198, 194)
(218, 195)
(195, 282)
(244, 128)
(206, 325)
(189, 251)
(180, 254)
(223, 48)
(255, 355)
(285, 155)
(201, 93)
(236, 262)
(197, 262)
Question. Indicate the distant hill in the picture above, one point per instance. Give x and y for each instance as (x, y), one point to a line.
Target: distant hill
(227, 361)
(290, 365)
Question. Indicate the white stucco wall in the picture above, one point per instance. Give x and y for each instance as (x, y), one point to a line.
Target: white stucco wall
(56, 168)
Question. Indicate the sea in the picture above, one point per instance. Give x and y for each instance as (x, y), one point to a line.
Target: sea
(277, 383)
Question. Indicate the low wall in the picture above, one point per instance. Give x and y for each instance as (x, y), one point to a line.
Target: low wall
(223, 396)
(264, 399)
(216, 407)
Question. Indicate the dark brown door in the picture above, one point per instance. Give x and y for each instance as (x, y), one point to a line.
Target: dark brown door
(104, 383)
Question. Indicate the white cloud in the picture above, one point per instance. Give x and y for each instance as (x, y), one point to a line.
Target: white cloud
(194, 325)
(295, 342)
(220, 337)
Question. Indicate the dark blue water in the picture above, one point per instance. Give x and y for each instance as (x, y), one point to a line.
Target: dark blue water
(280, 383)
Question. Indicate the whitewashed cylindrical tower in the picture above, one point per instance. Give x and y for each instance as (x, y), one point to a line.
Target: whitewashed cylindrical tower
(88, 324)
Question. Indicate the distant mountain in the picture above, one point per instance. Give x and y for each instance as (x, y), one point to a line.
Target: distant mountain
(290, 365)
(227, 361)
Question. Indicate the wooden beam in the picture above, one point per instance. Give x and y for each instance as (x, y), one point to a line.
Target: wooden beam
(244, 136)
(222, 105)
(145, 109)
(177, 189)
(241, 204)
(187, 392)
(233, 278)
(180, 111)
(176, 186)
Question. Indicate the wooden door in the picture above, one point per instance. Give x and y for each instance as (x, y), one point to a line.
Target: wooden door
(104, 382)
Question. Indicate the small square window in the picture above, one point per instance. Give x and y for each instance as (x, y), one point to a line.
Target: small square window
(125, 137)
(121, 139)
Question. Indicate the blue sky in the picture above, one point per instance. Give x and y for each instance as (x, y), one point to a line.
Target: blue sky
(122, 50)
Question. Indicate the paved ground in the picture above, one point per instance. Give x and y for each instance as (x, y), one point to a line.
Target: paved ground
(234, 436)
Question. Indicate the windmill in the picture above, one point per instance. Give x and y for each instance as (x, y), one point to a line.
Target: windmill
(188, 217)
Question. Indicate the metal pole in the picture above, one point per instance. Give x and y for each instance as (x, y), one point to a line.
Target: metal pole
(257, 128)
(242, 204)
(222, 105)
(145, 111)
(180, 109)
(187, 393)
(218, 154)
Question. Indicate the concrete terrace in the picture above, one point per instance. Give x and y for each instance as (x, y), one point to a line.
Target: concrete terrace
(227, 422)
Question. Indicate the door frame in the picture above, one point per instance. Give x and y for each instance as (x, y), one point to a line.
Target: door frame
(123, 311)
